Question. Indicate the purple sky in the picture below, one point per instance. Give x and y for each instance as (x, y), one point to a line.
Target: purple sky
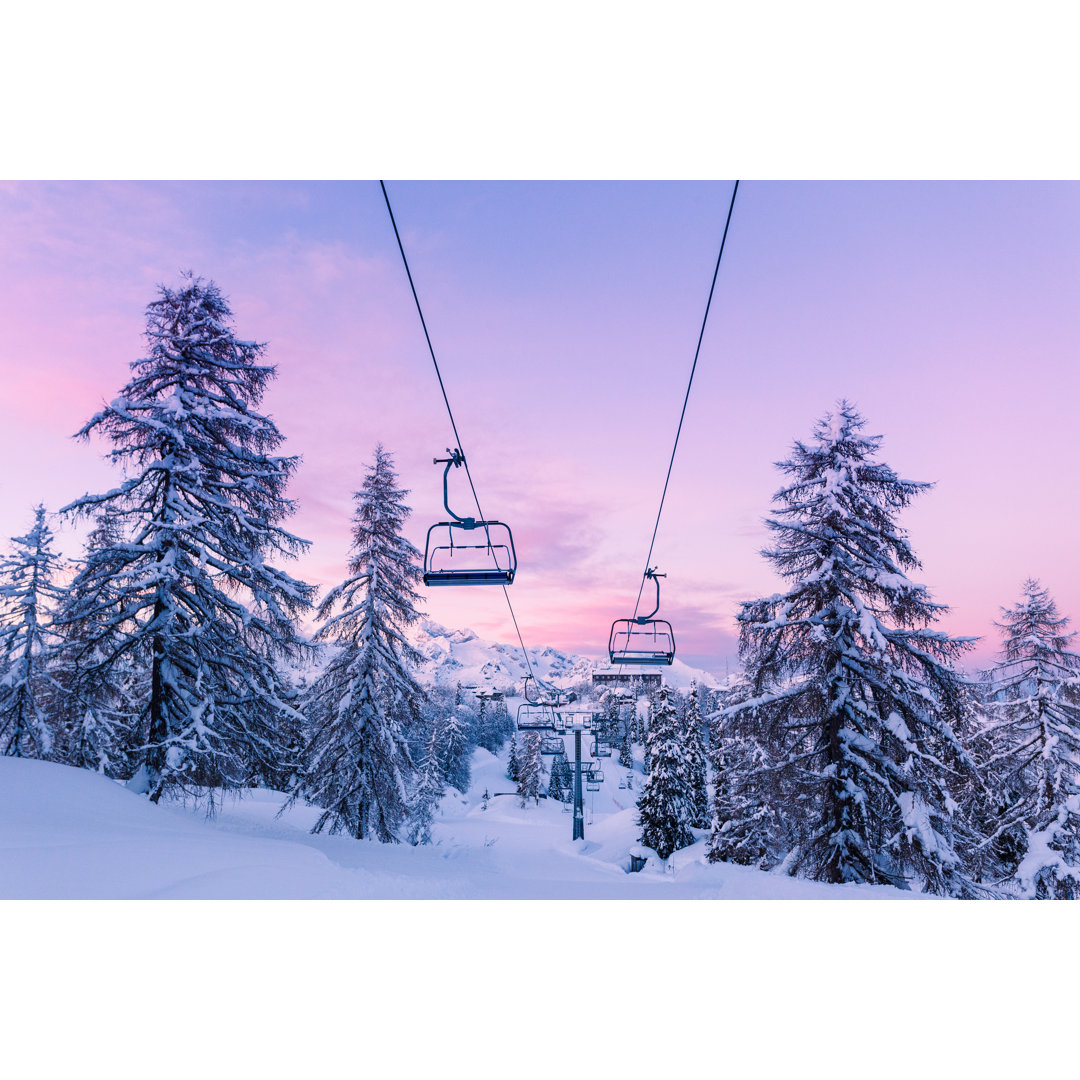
(565, 317)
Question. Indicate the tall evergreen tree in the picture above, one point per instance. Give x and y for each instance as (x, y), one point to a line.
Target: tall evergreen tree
(28, 596)
(512, 760)
(529, 768)
(1031, 750)
(188, 595)
(626, 756)
(101, 686)
(665, 808)
(555, 788)
(853, 692)
(456, 748)
(696, 762)
(745, 826)
(429, 788)
(646, 724)
(357, 766)
(494, 725)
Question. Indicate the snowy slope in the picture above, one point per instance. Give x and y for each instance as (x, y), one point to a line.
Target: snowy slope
(71, 834)
(462, 656)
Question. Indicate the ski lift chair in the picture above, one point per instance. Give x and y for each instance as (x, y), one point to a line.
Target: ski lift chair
(484, 550)
(643, 639)
(535, 717)
(552, 744)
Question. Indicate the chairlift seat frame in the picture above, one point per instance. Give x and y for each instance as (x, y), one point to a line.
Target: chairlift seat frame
(621, 644)
(622, 648)
(501, 549)
(436, 574)
(552, 746)
(535, 717)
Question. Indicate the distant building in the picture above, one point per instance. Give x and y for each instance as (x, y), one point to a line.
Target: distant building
(615, 677)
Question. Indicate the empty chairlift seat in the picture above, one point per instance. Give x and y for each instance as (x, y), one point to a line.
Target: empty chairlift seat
(535, 717)
(467, 551)
(481, 553)
(552, 744)
(643, 639)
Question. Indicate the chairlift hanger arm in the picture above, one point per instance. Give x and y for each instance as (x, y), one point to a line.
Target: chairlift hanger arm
(651, 573)
(454, 461)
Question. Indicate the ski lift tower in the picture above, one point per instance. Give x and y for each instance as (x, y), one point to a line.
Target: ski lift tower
(577, 721)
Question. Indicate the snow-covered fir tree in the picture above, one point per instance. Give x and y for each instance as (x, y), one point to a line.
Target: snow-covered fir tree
(454, 753)
(187, 596)
(555, 788)
(626, 755)
(493, 724)
(529, 768)
(98, 707)
(745, 827)
(646, 722)
(29, 594)
(664, 808)
(853, 690)
(512, 760)
(1030, 751)
(357, 766)
(502, 723)
(430, 788)
(696, 762)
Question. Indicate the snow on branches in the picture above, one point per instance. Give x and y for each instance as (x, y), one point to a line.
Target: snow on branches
(185, 591)
(27, 592)
(853, 698)
(357, 766)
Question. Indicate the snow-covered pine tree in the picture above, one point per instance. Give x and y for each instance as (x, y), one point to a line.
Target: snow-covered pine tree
(455, 751)
(853, 691)
(512, 760)
(357, 766)
(101, 687)
(188, 595)
(696, 762)
(429, 788)
(493, 724)
(1030, 750)
(502, 723)
(555, 788)
(626, 756)
(29, 595)
(529, 768)
(647, 721)
(745, 827)
(664, 808)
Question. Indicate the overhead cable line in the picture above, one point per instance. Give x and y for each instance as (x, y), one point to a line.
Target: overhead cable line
(449, 411)
(686, 399)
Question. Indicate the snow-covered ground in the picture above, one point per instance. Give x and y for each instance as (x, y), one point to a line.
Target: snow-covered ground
(67, 833)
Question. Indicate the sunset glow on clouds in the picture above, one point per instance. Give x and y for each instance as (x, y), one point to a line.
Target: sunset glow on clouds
(565, 316)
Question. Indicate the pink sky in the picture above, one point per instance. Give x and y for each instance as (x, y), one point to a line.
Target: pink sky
(565, 316)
